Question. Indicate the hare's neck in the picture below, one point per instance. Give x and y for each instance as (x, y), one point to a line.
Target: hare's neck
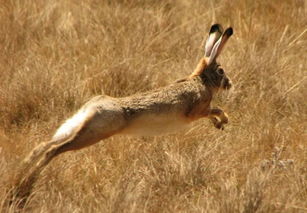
(210, 86)
(201, 66)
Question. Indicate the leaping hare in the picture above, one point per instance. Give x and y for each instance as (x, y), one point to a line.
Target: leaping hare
(159, 111)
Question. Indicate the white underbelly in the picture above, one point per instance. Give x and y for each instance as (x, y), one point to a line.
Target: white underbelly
(151, 125)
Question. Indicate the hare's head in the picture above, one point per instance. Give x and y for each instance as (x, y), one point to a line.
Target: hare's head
(210, 71)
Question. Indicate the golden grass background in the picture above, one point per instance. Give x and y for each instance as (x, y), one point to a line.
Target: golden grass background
(56, 54)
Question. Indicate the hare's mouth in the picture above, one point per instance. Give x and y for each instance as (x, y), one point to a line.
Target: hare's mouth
(226, 84)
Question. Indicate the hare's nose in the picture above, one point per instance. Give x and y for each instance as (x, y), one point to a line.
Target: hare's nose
(227, 83)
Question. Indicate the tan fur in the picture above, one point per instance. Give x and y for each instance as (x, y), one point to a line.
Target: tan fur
(160, 111)
(202, 64)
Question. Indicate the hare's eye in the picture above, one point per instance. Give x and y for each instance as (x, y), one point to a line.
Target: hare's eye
(220, 71)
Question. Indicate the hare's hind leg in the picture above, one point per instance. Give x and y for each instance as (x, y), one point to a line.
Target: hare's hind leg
(29, 170)
(86, 137)
(95, 126)
(38, 160)
(101, 125)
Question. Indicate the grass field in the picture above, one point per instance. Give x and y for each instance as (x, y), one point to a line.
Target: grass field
(55, 55)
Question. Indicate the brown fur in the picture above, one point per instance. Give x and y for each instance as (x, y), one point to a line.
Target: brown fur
(162, 110)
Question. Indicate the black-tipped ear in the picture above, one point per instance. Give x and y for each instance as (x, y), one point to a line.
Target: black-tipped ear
(216, 28)
(218, 46)
(215, 32)
(228, 32)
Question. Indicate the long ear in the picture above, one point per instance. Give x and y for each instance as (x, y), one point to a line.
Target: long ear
(214, 34)
(217, 48)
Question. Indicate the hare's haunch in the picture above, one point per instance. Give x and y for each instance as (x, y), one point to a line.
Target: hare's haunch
(160, 111)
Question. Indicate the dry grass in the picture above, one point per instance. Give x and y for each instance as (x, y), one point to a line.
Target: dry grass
(56, 54)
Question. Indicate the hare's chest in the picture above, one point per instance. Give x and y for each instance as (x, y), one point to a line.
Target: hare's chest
(150, 125)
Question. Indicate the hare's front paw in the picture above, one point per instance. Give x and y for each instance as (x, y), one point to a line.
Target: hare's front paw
(218, 117)
(224, 118)
(218, 123)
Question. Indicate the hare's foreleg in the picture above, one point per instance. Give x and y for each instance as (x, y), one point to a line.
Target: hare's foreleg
(218, 117)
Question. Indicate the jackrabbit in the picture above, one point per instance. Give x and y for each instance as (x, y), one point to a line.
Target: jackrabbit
(156, 112)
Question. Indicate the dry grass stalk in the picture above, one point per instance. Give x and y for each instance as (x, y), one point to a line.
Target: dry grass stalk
(57, 55)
